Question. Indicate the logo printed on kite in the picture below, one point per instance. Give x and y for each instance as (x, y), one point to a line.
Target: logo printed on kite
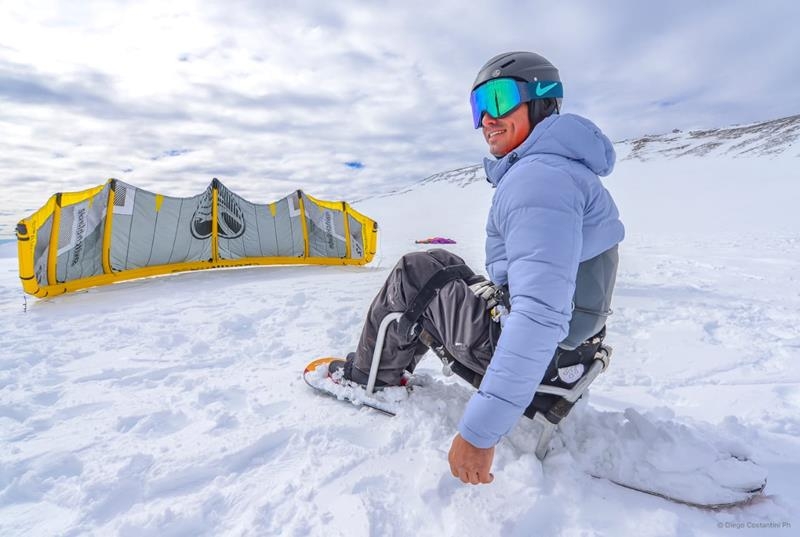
(201, 219)
(80, 231)
(328, 224)
(231, 217)
(230, 223)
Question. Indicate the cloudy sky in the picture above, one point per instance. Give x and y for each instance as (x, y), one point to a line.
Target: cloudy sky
(347, 97)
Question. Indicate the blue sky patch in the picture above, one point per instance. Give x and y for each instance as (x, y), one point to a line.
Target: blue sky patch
(171, 153)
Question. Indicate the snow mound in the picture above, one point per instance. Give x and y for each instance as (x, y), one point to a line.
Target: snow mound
(652, 451)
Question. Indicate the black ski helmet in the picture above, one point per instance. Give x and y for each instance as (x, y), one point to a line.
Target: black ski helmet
(528, 67)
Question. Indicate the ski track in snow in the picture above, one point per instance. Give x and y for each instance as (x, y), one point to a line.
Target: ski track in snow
(175, 406)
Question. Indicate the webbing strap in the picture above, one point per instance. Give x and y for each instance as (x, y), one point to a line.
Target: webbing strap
(428, 292)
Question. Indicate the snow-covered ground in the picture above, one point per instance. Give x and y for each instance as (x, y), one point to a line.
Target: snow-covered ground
(175, 405)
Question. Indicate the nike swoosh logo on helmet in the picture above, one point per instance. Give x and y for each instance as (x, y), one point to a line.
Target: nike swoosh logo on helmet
(541, 91)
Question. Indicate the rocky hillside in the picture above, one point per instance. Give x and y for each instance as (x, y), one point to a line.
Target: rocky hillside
(778, 137)
(768, 139)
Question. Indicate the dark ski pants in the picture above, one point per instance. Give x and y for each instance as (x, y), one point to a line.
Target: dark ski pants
(455, 318)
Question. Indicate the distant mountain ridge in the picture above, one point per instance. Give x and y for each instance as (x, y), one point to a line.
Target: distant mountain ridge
(777, 137)
(772, 138)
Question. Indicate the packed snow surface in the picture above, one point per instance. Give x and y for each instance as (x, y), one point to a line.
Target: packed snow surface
(175, 405)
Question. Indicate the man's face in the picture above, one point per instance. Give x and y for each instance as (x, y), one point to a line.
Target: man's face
(504, 134)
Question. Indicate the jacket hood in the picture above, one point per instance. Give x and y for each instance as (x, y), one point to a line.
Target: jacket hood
(566, 135)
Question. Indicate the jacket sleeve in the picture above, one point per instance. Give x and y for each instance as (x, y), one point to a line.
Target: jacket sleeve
(539, 214)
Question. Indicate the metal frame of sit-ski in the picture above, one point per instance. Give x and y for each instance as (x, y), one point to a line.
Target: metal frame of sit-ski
(601, 362)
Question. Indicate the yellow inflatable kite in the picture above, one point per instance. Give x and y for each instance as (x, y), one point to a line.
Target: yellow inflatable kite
(117, 232)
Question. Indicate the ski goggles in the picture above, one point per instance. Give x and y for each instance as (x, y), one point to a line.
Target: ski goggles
(501, 96)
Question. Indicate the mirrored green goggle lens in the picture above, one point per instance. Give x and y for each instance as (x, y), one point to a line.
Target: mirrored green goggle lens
(503, 95)
(496, 98)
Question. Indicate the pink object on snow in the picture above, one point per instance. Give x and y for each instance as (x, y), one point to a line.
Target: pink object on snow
(436, 240)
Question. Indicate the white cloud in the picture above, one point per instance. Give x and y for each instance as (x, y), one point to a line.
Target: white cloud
(271, 97)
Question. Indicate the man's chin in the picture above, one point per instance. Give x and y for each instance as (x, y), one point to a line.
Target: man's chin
(498, 150)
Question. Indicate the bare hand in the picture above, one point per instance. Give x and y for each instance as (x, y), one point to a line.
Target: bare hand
(469, 463)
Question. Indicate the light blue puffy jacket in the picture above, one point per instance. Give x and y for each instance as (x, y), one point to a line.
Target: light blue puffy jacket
(549, 213)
